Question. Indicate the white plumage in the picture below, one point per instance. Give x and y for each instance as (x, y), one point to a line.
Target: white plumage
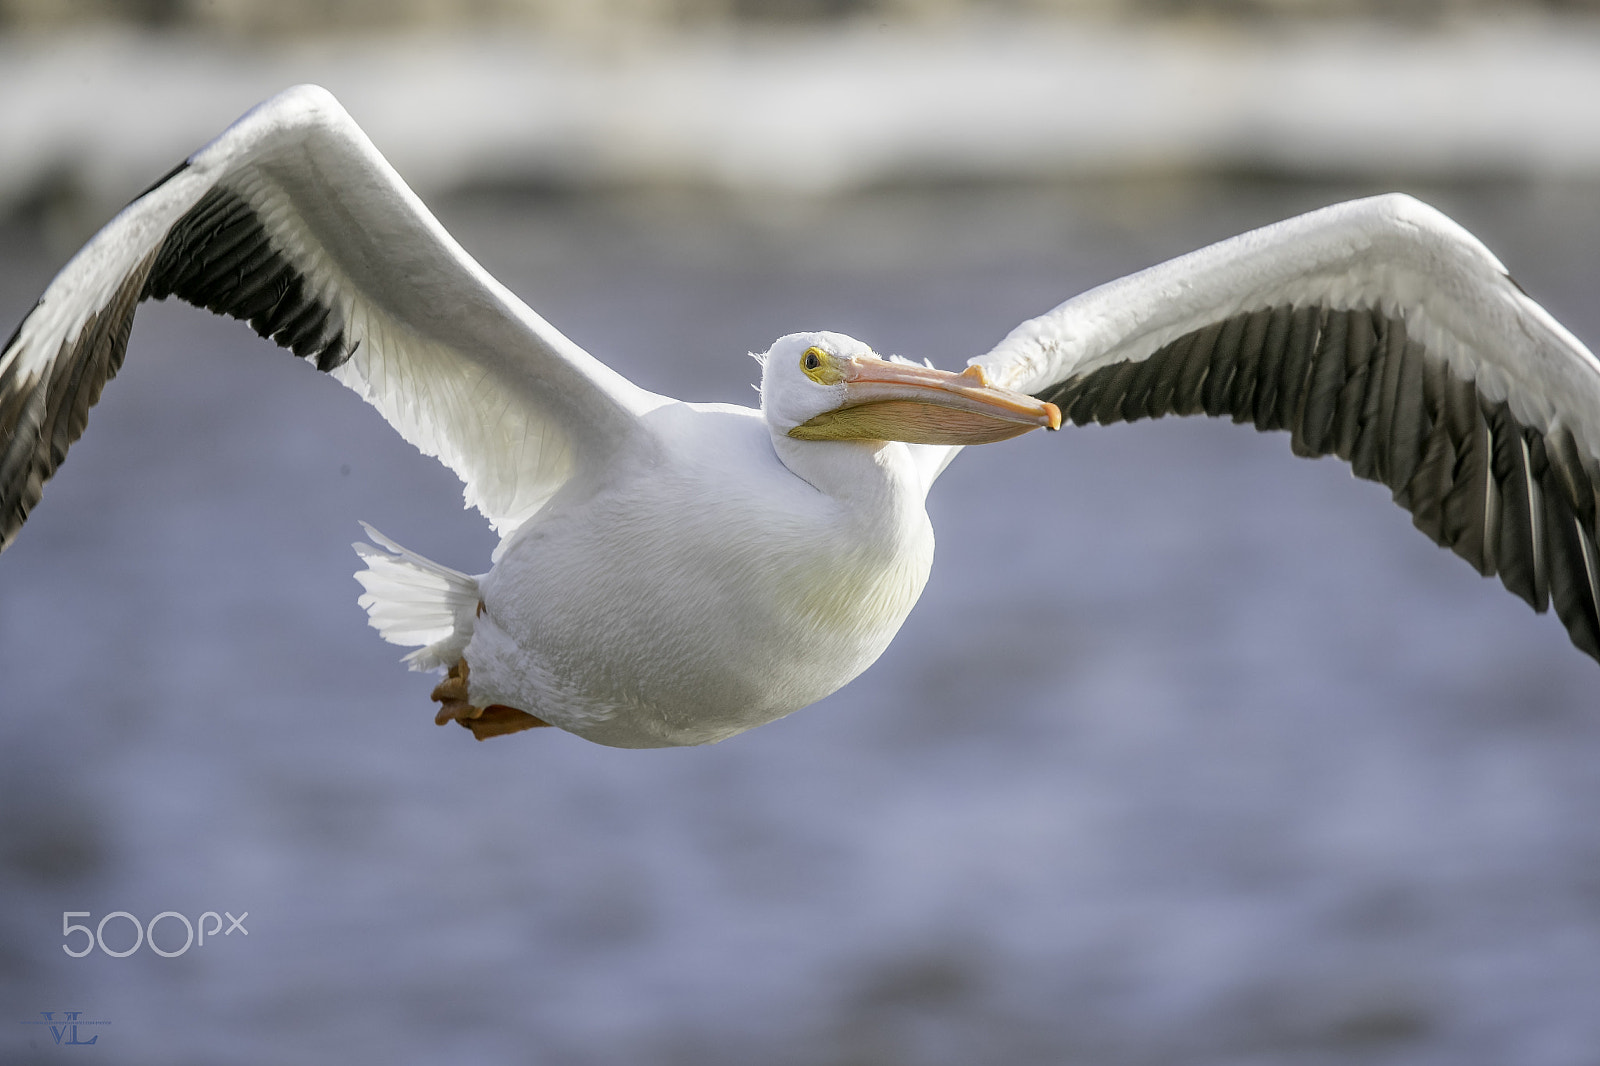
(416, 602)
(675, 573)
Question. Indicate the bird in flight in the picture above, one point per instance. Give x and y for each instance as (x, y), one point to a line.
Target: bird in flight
(675, 573)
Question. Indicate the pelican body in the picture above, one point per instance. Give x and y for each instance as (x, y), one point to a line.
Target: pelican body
(753, 592)
(675, 573)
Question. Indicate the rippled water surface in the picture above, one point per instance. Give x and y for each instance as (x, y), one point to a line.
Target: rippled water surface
(1192, 753)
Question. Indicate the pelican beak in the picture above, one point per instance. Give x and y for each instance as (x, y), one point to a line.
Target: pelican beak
(919, 405)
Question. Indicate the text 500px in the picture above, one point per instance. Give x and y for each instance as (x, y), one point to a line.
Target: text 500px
(146, 934)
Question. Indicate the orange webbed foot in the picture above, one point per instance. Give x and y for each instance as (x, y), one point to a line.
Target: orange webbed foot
(495, 720)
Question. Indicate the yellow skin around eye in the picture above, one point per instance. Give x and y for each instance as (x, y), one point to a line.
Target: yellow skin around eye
(826, 370)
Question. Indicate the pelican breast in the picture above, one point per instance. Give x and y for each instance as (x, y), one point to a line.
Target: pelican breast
(703, 589)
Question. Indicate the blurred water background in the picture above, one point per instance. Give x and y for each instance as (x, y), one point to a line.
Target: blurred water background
(1193, 752)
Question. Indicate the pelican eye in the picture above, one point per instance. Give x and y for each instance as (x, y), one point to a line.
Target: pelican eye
(820, 367)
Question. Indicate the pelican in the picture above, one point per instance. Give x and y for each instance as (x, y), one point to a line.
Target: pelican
(674, 573)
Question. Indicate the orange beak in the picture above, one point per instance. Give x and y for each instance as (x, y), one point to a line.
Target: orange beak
(920, 405)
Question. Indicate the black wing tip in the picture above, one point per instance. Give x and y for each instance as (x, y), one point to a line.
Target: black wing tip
(1511, 500)
(43, 412)
(336, 354)
(221, 256)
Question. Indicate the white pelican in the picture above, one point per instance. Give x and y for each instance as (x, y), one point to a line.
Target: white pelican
(675, 573)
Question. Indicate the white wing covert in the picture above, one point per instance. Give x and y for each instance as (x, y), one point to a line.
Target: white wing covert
(1381, 332)
(293, 222)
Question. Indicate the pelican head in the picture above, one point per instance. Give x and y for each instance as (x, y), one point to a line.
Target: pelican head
(827, 386)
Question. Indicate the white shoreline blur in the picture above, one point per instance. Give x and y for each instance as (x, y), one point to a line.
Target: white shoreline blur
(819, 110)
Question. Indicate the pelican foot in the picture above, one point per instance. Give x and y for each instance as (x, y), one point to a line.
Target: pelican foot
(494, 720)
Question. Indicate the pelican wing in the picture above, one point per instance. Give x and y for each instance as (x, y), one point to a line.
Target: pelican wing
(292, 221)
(1378, 331)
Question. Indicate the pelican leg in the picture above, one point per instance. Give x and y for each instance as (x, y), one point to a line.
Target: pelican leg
(451, 695)
(492, 721)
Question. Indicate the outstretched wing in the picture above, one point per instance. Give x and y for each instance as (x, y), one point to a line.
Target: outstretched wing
(292, 221)
(1378, 331)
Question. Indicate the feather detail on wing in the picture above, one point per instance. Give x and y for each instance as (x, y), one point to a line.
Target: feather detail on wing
(292, 222)
(1378, 331)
